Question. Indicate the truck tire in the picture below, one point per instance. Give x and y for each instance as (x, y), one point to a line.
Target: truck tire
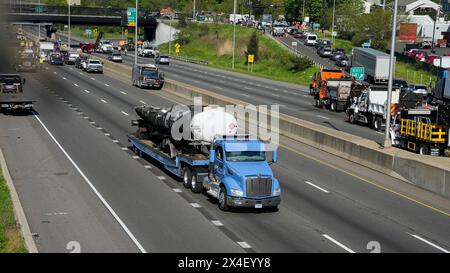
(333, 106)
(222, 199)
(187, 176)
(351, 118)
(196, 186)
(424, 149)
(376, 123)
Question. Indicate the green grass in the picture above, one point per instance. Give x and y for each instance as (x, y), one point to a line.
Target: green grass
(412, 74)
(11, 240)
(213, 42)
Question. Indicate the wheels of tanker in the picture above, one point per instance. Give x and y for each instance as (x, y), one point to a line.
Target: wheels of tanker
(223, 199)
(187, 176)
(424, 149)
(196, 186)
(376, 124)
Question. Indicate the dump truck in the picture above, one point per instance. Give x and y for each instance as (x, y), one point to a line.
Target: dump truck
(370, 107)
(209, 156)
(425, 131)
(11, 94)
(147, 75)
(320, 77)
(334, 94)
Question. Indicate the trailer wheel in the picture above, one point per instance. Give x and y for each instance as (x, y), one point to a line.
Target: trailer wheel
(424, 149)
(223, 199)
(376, 124)
(187, 177)
(196, 186)
(333, 106)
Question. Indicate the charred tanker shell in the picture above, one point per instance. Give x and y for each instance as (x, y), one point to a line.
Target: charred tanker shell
(173, 122)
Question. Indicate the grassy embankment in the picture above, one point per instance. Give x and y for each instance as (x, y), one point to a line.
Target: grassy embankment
(213, 42)
(11, 240)
(402, 70)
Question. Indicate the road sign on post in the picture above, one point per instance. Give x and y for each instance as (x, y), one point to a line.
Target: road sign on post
(131, 15)
(251, 58)
(357, 72)
(177, 48)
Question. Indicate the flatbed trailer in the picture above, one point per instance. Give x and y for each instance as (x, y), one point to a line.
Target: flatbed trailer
(11, 93)
(218, 172)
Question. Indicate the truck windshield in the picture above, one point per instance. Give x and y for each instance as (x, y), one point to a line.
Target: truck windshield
(153, 74)
(243, 156)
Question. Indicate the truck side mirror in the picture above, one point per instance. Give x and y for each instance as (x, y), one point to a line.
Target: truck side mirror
(212, 156)
(275, 155)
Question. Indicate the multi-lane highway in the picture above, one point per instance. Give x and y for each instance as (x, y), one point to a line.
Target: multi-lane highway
(74, 172)
(294, 100)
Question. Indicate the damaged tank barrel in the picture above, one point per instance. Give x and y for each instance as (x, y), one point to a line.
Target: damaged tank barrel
(202, 125)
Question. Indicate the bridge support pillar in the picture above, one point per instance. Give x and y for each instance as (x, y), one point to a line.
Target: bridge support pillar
(149, 33)
(51, 29)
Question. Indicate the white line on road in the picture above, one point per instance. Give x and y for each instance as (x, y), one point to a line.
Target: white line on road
(315, 186)
(195, 205)
(135, 157)
(106, 84)
(126, 114)
(161, 177)
(87, 91)
(64, 78)
(429, 243)
(110, 209)
(107, 134)
(337, 243)
(319, 116)
(244, 245)
(217, 223)
(75, 84)
(143, 102)
(81, 73)
(124, 148)
(275, 95)
(147, 166)
(177, 190)
(54, 72)
(93, 79)
(123, 92)
(104, 101)
(246, 95)
(115, 141)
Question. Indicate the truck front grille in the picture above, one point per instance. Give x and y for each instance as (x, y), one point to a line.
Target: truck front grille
(259, 186)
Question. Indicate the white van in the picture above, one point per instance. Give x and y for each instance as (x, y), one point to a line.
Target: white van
(311, 40)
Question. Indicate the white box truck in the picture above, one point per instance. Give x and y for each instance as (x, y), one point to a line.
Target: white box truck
(375, 63)
(443, 61)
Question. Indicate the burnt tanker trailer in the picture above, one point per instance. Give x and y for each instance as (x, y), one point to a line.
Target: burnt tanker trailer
(183, 129)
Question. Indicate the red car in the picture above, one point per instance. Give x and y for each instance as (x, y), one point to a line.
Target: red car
(87, 47)
(420, 55)
(429, 59)
(411, 53)
(299, 35)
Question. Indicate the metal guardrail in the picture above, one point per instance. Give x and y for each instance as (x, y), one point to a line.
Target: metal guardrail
(188, 60)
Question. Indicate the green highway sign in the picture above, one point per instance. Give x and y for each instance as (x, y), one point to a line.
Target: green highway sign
(357, 72)
(131, 15)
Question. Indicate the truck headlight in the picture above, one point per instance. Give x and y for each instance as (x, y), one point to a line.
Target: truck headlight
(237, 193)
(277, 192)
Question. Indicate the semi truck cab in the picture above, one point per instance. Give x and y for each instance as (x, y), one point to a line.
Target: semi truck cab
(240, 174)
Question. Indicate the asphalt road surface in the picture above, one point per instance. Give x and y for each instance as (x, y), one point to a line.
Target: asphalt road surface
(328, 204)
(294, 100)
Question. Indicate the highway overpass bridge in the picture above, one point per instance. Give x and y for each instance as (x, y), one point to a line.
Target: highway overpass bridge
(50, 15)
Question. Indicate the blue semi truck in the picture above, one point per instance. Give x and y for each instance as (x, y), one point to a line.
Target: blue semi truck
(235, 170)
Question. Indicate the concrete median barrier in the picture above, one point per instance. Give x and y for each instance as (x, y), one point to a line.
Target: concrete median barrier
(430, 173)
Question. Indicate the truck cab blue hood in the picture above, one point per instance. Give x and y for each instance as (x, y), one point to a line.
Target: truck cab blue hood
(251, 168)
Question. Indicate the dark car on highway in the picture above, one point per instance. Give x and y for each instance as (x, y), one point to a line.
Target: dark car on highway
(325, 52)
(342, 62)
(337, 55)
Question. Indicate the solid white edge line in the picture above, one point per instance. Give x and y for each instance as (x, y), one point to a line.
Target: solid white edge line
(315, 186)
(244, 244)
(110, 209)
(429, 243)
(126, 114)
(337, 243)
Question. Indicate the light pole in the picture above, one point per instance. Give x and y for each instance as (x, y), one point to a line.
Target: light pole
(193, 12)
(434, 26)
(39, 24)
(170, 33)
(68, 38)
(136, 34)
(303, 12)
(332, 24)
(387, 141)
(234, 31)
